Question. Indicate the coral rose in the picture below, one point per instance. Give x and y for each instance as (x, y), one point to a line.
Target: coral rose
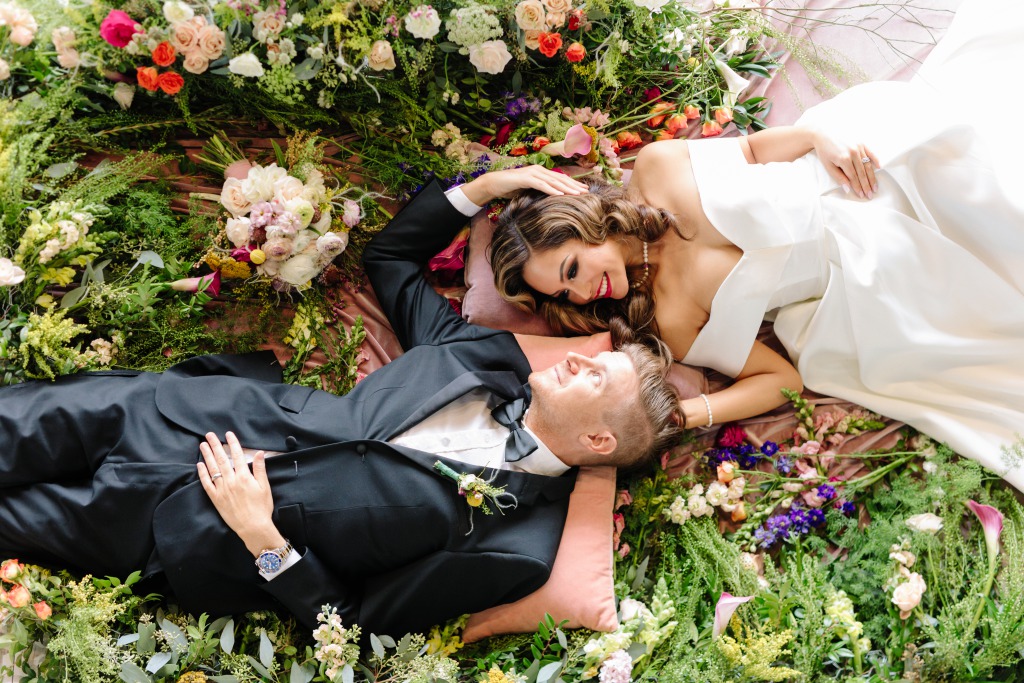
(18, 596)
(628, 140)
(691, 112)
(164, 54)
(576, 52)
(10, 569)
(118, 28)
(549, 43)
(170, 82)
(659, 113)
(723, 115)
(710, 129)
(675, 123)
(539, 143)
(148, 78)
(43, 610)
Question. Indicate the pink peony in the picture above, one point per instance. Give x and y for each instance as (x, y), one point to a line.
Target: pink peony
(118, 28)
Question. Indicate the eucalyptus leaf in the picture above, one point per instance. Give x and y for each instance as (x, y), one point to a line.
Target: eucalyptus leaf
(636, 650)
(266, 649)
(127, 639)
(307, 69)
(530, 675)
(218, 624)
(387, 641)
(300, 673)
(175, 634)
(131, 673)
(227, 636)
(347, 674)
(378, 647)
(147, 639)
(641, 572)
(157, 661)
(73, 297)
(549, 672)
(60, 170)
(255, 663)
(226, 678)
(149, 258)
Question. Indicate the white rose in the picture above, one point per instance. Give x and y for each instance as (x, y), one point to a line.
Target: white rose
(272, 173)
(490, 56)
(630, 609)
(234, 198)
(237, 230)
(736, 43)
(5, 70)
(652, 5)
(63, 37)
(176, 12)
(287, 188)
(301, 208)
(124, 94)
(381, 57)
(907, 595)
(530, 15)
(926, 523)
(299, 269)
(10, 274)
(423, 22)
(247, 65)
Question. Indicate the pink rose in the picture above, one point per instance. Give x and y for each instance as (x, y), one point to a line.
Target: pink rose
(19, 596)
(623, 550)
(118, 28)
(195, 62)
(908, 594)
(184, 36)
(10, 570)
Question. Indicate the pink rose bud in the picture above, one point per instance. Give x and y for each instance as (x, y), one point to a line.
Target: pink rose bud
(43, 610)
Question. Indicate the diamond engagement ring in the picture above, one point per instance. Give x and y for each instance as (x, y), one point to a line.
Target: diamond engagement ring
(866, 160)
(215, 477)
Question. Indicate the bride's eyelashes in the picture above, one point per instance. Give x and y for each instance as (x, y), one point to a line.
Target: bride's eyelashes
(570, 275)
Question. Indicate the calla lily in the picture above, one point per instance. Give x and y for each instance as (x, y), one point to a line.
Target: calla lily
(577, 141)
(452, 257)
(734, 83)
(726, 607)
(992, 522)
(210, 284)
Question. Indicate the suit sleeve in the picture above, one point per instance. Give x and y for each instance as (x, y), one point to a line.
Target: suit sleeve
(413, 598)
(394, 262)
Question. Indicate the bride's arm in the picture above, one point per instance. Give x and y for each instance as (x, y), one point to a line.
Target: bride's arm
(757, 389)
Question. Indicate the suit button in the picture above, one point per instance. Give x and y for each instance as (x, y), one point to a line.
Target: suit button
(361, 449)
(291, 443)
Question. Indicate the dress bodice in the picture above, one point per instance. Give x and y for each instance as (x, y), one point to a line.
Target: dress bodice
(772, 213)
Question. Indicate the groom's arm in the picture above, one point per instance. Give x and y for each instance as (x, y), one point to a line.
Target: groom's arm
(394, 261)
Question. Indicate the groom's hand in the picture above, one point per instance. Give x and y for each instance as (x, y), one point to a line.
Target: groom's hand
(242, 498)
(494, 184)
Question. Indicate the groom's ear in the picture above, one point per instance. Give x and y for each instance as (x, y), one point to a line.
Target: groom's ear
(599, 443)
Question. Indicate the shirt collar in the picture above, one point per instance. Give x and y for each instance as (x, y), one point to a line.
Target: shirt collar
(542, 461)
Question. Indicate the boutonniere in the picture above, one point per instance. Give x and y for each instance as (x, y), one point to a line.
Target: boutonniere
(478, 492)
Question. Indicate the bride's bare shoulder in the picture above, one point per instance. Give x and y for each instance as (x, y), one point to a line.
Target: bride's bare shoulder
(658, 170)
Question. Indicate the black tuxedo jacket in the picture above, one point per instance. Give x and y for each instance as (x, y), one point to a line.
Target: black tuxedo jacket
(383, 536)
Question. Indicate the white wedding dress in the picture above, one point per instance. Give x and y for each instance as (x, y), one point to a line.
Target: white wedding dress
(912, 303)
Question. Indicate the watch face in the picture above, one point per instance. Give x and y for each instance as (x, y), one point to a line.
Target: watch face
(269, 562)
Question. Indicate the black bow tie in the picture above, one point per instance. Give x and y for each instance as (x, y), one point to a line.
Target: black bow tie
(519, 443)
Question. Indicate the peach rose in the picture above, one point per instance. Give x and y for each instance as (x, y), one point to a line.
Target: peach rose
(147, 77)
(691, 112)
(532, 39)
(555, 19)
(659, 113)
(10, 569)
(381, 57)
(530, 15)
(490, 56)
(562, 6)
(43, 610)
(170, 82)
(19, 596)
(267, 25)
(627, 140)
(196, 63)
(675, 123)
(908, 594)
(576, 52)
(723, 115)
(184, 36)
(63, 37)
(210, 42)
(69, 59)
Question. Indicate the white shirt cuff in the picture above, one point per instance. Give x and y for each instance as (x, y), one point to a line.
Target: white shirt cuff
(461, 202)
(289, 561)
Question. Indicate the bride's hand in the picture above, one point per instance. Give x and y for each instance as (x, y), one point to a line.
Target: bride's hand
(852, 166)
(496, 184)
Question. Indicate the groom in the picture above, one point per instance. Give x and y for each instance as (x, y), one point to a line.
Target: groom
(99, 471)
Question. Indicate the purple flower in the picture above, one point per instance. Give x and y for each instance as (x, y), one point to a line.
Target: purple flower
(826, 492)
(784, 465)
(816, 517)
(769, 448)
(847, 507)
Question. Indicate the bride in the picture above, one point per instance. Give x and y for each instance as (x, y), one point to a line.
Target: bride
(893, 268)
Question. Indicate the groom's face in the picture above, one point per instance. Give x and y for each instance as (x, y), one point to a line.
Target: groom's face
(573, 396)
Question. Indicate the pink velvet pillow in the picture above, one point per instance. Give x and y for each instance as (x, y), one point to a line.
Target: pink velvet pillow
(581, 586)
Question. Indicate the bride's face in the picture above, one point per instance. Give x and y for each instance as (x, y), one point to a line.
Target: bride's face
(578, 273)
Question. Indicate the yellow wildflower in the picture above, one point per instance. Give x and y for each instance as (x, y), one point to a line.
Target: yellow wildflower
(45, 301)
(193, 677)
(213, 259)
(230, 269)
(58, 276)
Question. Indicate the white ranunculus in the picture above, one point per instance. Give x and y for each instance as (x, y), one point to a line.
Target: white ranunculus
(256, 188)
(330, 245)
(305, 241)
(313, 189)
(652, 5)
(10, 274)
(237, 230)
(287, 188)
(234, 197)
(176, 12)
(301, 208)
(353, 213)
(325, 221)
(490, 56)
(423, 22)
(124, 93)
(247, 65)
(925, 523)
(299, 269)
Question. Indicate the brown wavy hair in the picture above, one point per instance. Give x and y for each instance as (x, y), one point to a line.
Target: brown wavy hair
(534, 221)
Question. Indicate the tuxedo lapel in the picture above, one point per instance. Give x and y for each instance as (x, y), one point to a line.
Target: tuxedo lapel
(503, 383)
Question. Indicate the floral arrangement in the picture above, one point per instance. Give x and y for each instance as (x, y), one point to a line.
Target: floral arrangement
(18, 28)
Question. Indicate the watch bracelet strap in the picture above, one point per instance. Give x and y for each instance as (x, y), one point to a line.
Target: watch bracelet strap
(283, 552)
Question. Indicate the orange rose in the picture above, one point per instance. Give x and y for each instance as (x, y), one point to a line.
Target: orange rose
(723, 115)
(549, 43)
(576, 52)
(148, 78)
(710, 129)
(43, 610)
(10, 570)
(540, 142)
(627, 140)
(691, 112)
(658, 113)
(170, 82)
(18, 596)
(518, 150)
(164, 54)
(664, 135)
(676, 123)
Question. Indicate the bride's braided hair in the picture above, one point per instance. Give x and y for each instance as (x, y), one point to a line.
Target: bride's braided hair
(534, 221)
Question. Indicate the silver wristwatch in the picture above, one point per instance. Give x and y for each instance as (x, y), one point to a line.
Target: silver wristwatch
(270, 560)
